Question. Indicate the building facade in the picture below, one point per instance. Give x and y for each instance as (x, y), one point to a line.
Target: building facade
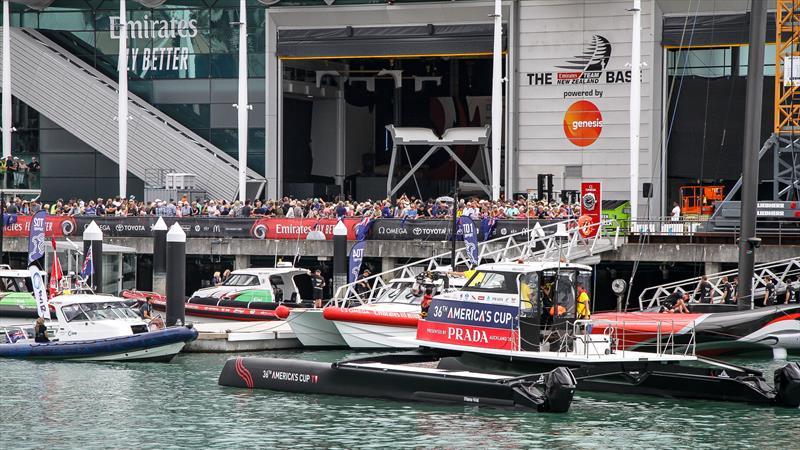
(327, 77)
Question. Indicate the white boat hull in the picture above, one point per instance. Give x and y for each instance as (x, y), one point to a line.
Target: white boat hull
(154, 353)
(372, 336)
(313, 330)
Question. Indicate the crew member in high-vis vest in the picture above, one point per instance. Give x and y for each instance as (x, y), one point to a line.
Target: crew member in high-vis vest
(582, 311)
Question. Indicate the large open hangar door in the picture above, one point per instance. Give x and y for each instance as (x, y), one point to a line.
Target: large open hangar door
(342, 86)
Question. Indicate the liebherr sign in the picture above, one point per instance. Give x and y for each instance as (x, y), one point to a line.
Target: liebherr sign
(157, 58)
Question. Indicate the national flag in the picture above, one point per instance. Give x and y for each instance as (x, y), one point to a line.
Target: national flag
(87, 270)
(363, 228)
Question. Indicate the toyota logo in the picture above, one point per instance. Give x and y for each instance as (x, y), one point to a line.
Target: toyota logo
(120, 227)
(417, 231)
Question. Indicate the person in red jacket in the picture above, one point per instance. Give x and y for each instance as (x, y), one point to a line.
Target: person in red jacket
(426, 302)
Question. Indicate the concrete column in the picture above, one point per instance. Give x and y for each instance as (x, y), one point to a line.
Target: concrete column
(241, 262)
(93, 238)
(160, 257)
(387, 263)
(712, 268)
(176, 275)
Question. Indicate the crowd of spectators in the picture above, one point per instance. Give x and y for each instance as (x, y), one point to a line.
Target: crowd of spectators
(405, 206)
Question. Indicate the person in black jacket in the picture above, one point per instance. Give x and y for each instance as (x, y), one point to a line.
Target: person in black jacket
(40, 331)
(317, 284)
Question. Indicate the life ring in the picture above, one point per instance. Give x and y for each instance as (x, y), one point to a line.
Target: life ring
(585, 226)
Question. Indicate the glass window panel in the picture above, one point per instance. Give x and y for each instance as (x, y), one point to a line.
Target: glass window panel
(189, 115)
(769, 60)
(67, 20)
(224, 66)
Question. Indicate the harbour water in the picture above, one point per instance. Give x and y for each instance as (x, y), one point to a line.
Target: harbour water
(180, 405)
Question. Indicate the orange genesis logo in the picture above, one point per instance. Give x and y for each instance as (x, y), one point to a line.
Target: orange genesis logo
(583, 123)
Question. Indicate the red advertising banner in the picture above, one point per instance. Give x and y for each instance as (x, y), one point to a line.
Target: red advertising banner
(276, 228)
(591, 206)
(55, 226)
(468, 336)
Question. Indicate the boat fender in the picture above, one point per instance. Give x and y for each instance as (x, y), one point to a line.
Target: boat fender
(282, 312)
(787, 385)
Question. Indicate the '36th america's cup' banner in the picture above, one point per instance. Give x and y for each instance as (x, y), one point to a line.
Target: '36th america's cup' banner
(471, 324)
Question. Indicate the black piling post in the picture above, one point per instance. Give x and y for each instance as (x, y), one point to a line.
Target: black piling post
(176, 275)
(339, 256)
(160, 256)
(93, 237)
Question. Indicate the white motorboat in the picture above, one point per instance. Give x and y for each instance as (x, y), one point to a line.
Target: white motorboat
(391, 320)
(96, 328)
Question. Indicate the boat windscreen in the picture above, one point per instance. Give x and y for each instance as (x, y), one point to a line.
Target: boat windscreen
(16, 284)
(400, 292)
(98, 311)
(484, 281)
(241, 280)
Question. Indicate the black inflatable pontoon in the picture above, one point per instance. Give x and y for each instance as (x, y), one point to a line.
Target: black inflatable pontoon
(413, 380)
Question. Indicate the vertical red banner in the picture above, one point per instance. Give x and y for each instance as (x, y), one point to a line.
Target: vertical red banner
(591, 207)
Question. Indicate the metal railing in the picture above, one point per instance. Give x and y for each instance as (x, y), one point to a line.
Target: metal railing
(619, 337)
(563, 240)
(779, 271)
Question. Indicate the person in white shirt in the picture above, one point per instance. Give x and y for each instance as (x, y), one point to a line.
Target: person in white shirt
(676, 212)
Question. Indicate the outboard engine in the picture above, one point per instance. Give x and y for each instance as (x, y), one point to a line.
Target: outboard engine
(551, 392)
(560, 385)
(787, 385)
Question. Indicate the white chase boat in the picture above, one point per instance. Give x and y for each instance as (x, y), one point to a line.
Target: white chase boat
(95, 328)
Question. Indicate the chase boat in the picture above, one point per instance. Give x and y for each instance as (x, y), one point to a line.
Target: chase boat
(390, 321)
(247, 295)
(494, 325)
(96, 328)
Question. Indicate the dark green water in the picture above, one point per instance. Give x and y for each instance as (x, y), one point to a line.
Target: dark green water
(180, 405)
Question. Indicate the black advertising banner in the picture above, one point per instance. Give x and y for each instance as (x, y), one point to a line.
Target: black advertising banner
(411, 230)
(276, 228)
(194, 227)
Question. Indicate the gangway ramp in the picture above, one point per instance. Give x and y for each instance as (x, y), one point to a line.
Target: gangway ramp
(83, 101)
(779, 271)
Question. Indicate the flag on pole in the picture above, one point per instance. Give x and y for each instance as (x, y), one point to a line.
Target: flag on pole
(87, 270)
(55, 272)
(39, 292)
(36, 240)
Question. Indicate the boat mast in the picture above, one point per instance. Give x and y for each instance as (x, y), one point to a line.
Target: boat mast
(751, 144)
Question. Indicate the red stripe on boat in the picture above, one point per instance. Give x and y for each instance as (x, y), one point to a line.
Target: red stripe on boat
(212, 311)
(793, 316)
(372, 316)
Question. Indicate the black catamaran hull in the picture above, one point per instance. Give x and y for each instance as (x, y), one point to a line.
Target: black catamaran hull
(673, 380)
(551, 392)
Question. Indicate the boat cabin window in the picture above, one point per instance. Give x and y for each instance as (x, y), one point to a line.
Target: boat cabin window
(400, 292)
(16, 284)
(98, 311)
(241, 280)
(529, 294)
(501, 282)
